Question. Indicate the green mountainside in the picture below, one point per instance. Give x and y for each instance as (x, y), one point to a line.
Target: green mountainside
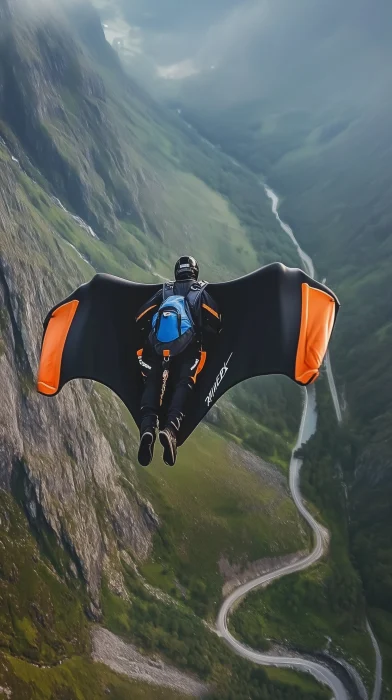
(301, 96)
(335, 182)
(97, 177)
(322, 609)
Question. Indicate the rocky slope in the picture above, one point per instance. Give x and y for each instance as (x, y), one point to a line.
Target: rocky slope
(54, 453)
(125, 658)
(79, 139)
(69, 133)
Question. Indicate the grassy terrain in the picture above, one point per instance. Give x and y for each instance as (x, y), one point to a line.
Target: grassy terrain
(76, 679)
(147, 186)
(42, 617)
(44, 644)
(304, 682)
(323, 141)
(294, 611)
(321, 609)
(174, 631)
(211, 499)
(208, 498)
(331, 166)
(44, 640)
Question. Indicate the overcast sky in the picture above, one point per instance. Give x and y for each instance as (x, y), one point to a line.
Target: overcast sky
(260, 49)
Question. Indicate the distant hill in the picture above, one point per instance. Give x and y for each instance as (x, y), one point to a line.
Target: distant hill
(301, 94)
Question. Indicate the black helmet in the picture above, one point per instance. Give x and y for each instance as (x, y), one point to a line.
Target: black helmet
(186, 269)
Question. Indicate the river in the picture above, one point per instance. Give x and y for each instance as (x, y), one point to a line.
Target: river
(321, 535)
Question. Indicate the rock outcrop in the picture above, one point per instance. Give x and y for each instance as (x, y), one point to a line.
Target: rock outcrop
(53, 454)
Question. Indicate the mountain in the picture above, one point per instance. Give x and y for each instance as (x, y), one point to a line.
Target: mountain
(301, 95)
(96, 176)
(333, 170)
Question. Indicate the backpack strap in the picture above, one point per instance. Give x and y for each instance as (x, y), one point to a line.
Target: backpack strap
(193, 299)
(194, 290)
(194, 294)
(167, 290)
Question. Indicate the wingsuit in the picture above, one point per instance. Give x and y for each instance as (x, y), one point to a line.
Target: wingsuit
(183, 368)
(276, 320)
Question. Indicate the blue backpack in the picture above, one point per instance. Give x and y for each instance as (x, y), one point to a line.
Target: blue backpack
(173, 327)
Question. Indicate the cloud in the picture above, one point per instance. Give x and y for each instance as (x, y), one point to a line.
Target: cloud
(268, 49)
(178, 71)
(36, 8)
(235, 28)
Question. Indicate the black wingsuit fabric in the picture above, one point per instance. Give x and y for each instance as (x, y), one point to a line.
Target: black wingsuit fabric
(261, 318)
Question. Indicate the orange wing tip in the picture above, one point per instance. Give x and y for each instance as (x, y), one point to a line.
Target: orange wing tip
(317, 319)
(308, 377)
(46, 389)
(53, 347)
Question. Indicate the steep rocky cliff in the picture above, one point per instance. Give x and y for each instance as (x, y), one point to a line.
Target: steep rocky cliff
(55, 459)
(90, 176)
(54, 452)
(94, 141)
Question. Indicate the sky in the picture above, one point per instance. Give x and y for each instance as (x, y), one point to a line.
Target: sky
(271, 50)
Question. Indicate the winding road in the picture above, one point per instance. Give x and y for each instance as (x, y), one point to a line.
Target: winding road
(320, 672)
(321, 536)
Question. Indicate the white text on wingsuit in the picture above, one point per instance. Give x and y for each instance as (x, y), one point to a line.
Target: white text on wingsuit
(209, 399)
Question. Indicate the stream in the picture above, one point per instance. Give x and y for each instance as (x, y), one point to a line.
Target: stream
(321, 536)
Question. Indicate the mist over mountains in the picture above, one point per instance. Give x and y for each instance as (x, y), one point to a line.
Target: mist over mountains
(299, 54)
(301, 94)
(91, 171)
(99, 172)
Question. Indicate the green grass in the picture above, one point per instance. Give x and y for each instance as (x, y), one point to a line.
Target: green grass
(300, 680)
(149, 189)
(211, 508)
(202, 218)
(293, 610)
(160, 576)
(172, 630)
(76, 679)
(41, 618)
(323, 607)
